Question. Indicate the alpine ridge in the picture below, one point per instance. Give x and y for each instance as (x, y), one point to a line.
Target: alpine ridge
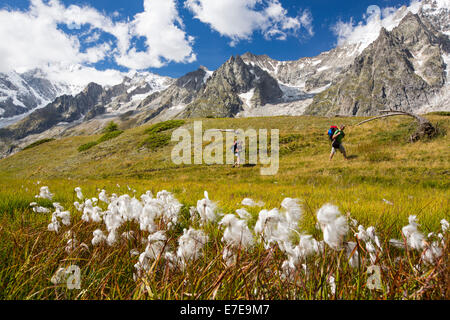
(405, 67)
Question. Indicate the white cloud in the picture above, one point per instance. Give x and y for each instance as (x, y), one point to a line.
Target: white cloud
(240, 19)
(161, 26)
(368, 30)
(79, 76)
(306, 20)
(33, 38)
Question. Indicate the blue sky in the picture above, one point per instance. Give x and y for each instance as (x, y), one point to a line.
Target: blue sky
(211, 47)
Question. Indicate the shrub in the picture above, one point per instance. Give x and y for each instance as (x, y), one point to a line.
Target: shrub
(38, 143)
(111, 127)
(109, 136)
(164, 126)
(87, 146)
(155, 141)
(441, 113)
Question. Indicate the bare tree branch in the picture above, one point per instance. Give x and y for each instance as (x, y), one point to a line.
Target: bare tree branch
(381, 117)
(425, 127)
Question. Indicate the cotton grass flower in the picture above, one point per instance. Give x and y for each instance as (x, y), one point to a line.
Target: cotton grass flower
(432, 253)
(250, 203)
(297, 255)
(237, 234)
(288, 270)
(244, 214)
(39, 209)
(445, 225)
(333, 224)
(207, 209)
(112, 217)
(99, 237)
(414, 238)
(287, 225)
(111, 240)
(45, 194)
(293, 212)
(71, 245)
(78, 206)
(59, 276)
(103, 197)
(155, 247)
(332, 284)
(229, 256)
(190, 246)
(134, 252)
(267, 226)
(91, 213)
(79, 193)
(373, 245)
(164, 208)
(171, 207)
(54, 226)
(65, 217)
(58, 206)
(147, 197)
(129, 235)
(352, 254)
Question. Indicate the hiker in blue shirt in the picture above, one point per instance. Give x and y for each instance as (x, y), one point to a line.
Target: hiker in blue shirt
(236, 150)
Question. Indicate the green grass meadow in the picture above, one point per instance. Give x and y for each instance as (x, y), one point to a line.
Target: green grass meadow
(386, 180)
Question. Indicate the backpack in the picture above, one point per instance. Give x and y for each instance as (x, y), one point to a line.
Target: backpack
(331, 132)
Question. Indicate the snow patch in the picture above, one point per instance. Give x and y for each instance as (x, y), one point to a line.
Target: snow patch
(446, 58)
(292, 93)
(139, 97)
(207, 75)
(247, 97)
(319, 90)
(367, 31)
(323, 68)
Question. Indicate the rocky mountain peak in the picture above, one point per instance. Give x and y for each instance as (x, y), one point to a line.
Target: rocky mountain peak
(93, 89)
(192, 81)
(402, 69)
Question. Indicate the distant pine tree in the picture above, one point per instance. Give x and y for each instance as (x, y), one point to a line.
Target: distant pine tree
(111, 127)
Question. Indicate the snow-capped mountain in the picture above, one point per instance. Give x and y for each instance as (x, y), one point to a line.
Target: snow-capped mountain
(403, 69)
(401, 60)
(22, 93)
(134, 88)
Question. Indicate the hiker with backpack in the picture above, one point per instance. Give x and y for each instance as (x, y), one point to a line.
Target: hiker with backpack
(237, 150)
(336, 136)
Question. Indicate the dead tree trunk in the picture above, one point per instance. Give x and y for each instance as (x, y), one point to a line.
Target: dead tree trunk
(425, 128)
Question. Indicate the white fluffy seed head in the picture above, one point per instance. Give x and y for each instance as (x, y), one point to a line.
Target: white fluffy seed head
(250, 203)
(45, 193)
(334, 226)
(414, 238)
(445, 225)
(79, 193)
(207, 210)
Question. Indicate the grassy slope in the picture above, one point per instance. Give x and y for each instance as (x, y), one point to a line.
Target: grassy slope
(384, 166)
(383, 163)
